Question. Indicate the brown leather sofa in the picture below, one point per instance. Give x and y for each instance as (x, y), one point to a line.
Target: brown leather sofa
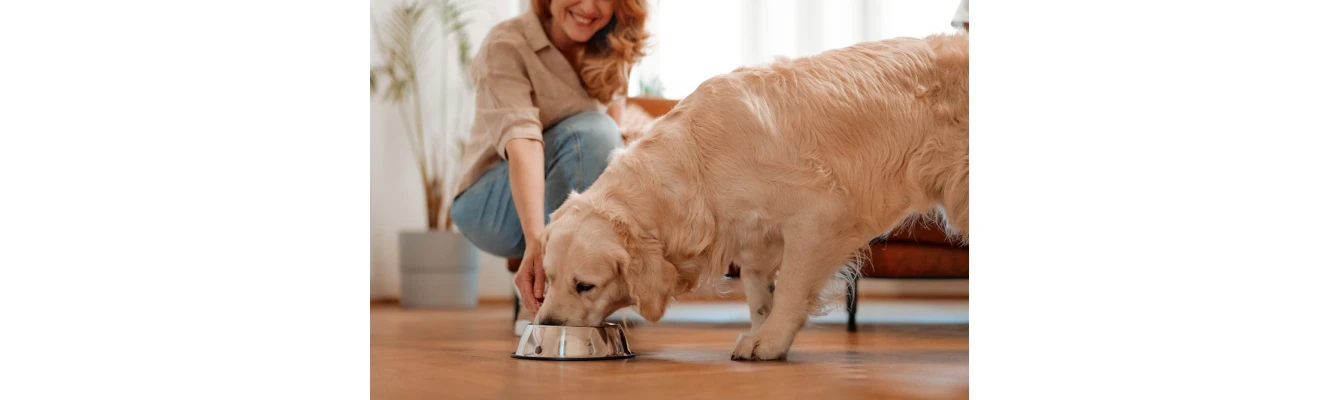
(916, 250)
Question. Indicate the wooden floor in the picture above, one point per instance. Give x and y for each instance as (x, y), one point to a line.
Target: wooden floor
(464, 354)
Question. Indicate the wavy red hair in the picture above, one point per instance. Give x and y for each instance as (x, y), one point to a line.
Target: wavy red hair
(611, 53)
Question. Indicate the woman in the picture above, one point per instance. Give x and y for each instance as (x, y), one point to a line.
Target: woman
(542, 79)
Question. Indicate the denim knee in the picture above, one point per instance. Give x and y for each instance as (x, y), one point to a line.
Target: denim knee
(599, 133)
(480, 223)
(514, 250)
(501, 244)
(602, 135)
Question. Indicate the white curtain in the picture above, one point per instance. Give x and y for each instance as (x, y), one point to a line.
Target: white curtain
(691, 44)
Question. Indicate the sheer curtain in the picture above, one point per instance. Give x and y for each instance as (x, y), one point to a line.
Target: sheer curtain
(696, 39)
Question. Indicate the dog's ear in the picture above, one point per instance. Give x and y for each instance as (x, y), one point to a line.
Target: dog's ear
(650, 280)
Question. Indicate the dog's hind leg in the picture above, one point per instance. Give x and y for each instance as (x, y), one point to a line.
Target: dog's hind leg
(811, 255)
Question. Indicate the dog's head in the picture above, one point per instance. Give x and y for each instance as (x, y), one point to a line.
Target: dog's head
(596, 261)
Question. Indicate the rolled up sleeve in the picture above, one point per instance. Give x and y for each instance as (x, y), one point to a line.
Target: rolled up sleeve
(504, 109)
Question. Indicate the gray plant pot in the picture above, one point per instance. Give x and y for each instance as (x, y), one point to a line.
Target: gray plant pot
(438, 269)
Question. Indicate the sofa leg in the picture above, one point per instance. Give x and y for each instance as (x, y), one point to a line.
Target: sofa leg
(851, 306)
(516, 307)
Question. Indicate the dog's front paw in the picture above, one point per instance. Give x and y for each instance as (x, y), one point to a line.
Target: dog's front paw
(756, 347)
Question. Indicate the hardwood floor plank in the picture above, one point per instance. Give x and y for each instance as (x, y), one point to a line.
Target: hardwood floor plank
(464, 354)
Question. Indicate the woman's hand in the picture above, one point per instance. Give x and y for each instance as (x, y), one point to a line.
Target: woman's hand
(530, 277)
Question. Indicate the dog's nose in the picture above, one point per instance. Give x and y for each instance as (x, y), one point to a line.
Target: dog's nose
(550, 321)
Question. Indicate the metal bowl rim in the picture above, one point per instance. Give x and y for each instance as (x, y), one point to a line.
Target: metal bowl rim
(606, 358)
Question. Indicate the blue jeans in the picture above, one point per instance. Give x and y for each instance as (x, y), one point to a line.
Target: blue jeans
(576, 152)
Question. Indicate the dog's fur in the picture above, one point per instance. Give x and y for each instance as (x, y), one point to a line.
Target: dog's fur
(787, 170)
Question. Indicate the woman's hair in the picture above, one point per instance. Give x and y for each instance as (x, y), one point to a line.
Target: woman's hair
(612, 51)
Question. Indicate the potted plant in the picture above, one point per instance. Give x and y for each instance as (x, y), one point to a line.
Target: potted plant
(438, 266)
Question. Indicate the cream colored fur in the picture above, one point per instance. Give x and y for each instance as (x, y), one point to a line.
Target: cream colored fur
(787, 170)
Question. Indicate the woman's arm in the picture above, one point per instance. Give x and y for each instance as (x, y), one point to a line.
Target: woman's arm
(526, 173)
(506, 113)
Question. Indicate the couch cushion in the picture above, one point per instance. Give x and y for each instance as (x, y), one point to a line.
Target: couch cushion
(916, 261)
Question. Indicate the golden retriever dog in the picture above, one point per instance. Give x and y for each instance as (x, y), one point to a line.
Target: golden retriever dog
(787, 170)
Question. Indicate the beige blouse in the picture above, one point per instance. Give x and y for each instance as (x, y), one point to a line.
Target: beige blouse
(523, 85)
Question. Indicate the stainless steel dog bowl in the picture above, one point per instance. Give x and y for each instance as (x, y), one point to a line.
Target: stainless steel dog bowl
(573, 343)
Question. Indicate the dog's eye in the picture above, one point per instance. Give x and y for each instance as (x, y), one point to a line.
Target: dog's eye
(582, 287)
